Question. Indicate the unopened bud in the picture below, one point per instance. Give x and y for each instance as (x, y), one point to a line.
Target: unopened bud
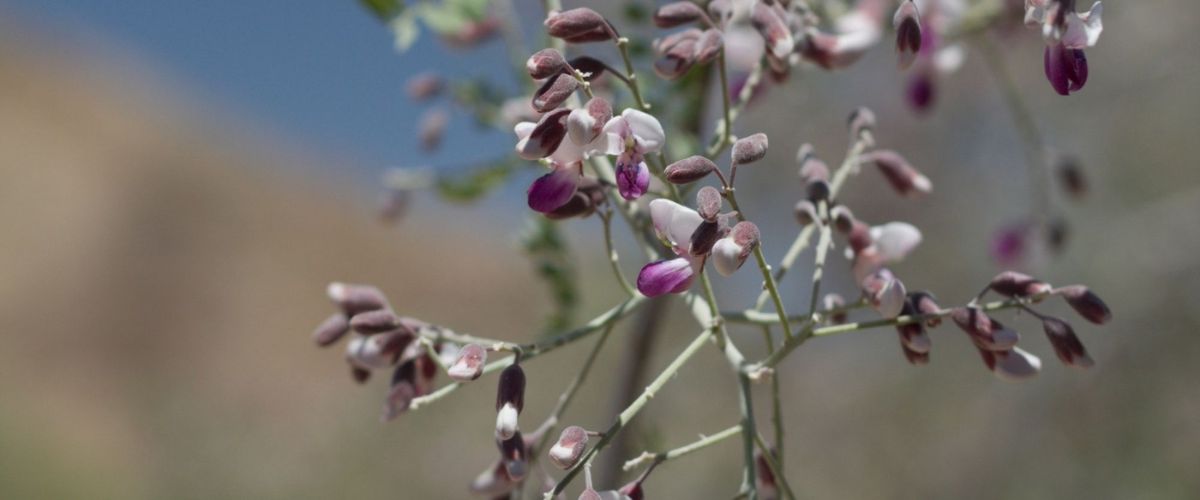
(1086, 303)
(861, 120)
(1016, 365)
(469, 364)
(1014, 284)
(709, 45)
(749, 149)
(569, 448)
(424, 86)
(843, 219)
(690, 169)
(578, 26)
(729, 253)
(676, 53)
(907, 23)
(987, 333)
(925, 303)
(545, 63)
(331, 330)
(859, 236)
(815, 174)
(773, 30)
(677, 14)
(708, 203)
(514, 455)
(554, 92)
(373, 322)
(510, 399)
(806, 212)
(354, 299)
(402, 392)
(835, 305)
(905, 179)
(1066, 344)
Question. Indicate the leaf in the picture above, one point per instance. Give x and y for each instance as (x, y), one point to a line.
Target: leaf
(405, 30)
(384, 10)
(443, 18)
(475, 184)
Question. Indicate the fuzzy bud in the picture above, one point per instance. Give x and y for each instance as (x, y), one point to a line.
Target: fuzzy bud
(906, 180)
(815, 175)
(569, 448)
(861, 120)
(1014, 284)
(331, 330)
(749, 149)
(708, 203)
(690, 169)
(469, 364)
(806, 212)
(579, 26)
(925, 303)
(373, 322)
(676, 53)
(729, 253)
(1086, 303)
(885, 292)
(1066, 344)
(773, 29)
(709, 45)
(554, 92)
(907, 23)
(677, 14)
(354, 299)
(510, 399)
(545, 63)
(843, 219)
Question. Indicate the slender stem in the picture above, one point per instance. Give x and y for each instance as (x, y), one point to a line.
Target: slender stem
(703, 442)
(528, 351)
(569, 393)
(749, 474)
(727, 128)
(632, 410)
(630, 74)
(724, 128)
(606, 218)
(776, 402)
(765, 269)
(764, 318)
(819, 261)
(774, 463)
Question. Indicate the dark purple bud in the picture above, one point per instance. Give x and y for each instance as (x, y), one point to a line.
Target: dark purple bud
(591, 67)
(843, 219)
(432, 128)
(907, 23)
(925, 303)
(424, 86)
(354, 299)
(1014, 284)
(569, 448)
(773, 30)
(1065, 68)
(331, 330)
(749, 149)
(708, 203)
(1071, 177)
(1066, 344)
(373, 322)
(913, 338)
(554, 92)
(546, 136)
(510, 399)
(690, 169)
(545, 63)
(514, 454)
(859, 236)
(705, 236)
(921, 91)
(676, 53)
(402, 392)
(678, 13)
(836, 304)
(1086, 303)
(806, 212)
(469, 364)
(905, 179)
(862, 119)
(579, 25)
(745, 234)
(987, 333)
(709, 46)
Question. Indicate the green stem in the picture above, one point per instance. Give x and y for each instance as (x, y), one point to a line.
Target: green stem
(775, 464)
(703, 442)
(631, 75)
(606, 218)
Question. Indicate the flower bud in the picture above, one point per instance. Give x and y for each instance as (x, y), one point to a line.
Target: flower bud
(373, 322)
(578, 26)
(925, 303)
(815, 175)
(861, 120)
(354, 299)
(1086, 303)
(806, 212)
(859, 236)
(843, 219)
(885, 292)
(424, 86)
(432, 128)
(1016, 364)
(835, 305)
(545, 63)
(676, 53)
(706, 235)
(708, 203)
(913, 338)
(545, 137)
(907, 23)
(905, 179)
(730, 252)
(403, 390)
(773, 30)
(554, 92)
(1066, 344)
(1066, 68)
(514, 454)
(690, 169)
(569, 448)
(510, 399)
(1014, 284)
(749, 149)
(986, 333)
(677, 14)
(709, 45)
(584, 125)
(331, 330)
(469, 364)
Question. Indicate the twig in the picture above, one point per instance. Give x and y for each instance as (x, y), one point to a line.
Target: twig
(703, 442)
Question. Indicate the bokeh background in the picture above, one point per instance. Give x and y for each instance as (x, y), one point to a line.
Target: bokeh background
(179, 180)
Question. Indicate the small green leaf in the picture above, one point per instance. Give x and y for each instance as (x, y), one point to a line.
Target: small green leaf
(405, 30)
(443, 18)
(384, 10)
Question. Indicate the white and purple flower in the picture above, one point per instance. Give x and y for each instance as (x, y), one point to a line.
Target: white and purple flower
(1067, 33)
(675, 224)
(631, 136)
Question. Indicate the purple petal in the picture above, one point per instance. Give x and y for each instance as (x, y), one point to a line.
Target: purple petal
(665, 276)
(1077, 63)
(633, 178)
(553, 190)
(921, 91)
(1056, 72)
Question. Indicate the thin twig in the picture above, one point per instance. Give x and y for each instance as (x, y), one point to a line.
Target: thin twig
(703, 442)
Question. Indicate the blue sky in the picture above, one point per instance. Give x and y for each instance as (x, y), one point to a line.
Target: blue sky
(321, 72)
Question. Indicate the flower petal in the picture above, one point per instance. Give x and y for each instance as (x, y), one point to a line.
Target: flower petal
(727, 256)
(645, 128)
(674, 222)
(1016, 365)
(1083, 30)
(633, 177)
(553, 190)
(665, 276)
(895, 240)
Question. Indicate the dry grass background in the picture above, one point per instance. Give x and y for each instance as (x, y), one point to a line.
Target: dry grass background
(160, 272)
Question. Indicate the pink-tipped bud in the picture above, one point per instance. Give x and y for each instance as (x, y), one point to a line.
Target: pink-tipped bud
(373, 322)
(569, 448)
(690, 169)
(843, 219)
(835, 305)
(861, 120)
(424, 86)
(432, 128)
(806, 212)
(885, 292)
(925, 303)
(708, 203)
(773, 29)
(579, 26)
(907, 23)
(1086, 303)
(906, 180)
(749, 149)
(354, 299)
(731, 252)
(677, 14)
(468, 365)
(510, 399)
(545, 63)
(554, 92)
(331, 330)
(676, 53)
(1066, 344)
(1014, 284)
(514, 454)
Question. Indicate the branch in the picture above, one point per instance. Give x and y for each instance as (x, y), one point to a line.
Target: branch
(703, 442)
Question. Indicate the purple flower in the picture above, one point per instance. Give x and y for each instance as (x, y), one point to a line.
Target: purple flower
(631, 136)
(675, 224)
(1067, 33)
(633, 178)
(554, 189)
